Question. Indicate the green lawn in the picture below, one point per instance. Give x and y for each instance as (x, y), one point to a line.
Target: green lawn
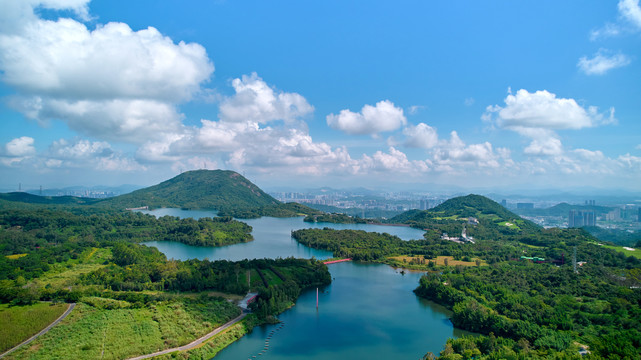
(636, 253)
(18, 323)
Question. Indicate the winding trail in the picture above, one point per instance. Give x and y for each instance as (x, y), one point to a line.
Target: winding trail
(64, 315)
(194, 343)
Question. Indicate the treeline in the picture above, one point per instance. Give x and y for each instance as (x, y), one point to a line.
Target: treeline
(541, 309)
(334, 218)
(139, 268)
(554, 245)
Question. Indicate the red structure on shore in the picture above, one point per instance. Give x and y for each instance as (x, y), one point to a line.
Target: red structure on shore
(336, 261)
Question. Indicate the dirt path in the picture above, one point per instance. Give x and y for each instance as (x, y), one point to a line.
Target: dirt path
(194, 343)
(64, 315)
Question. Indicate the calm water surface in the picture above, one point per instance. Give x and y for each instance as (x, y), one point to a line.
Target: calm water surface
(368, 312)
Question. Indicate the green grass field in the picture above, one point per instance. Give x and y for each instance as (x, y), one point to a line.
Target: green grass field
(92, 333)
(66, 274)
(636, 253)
(18, 323)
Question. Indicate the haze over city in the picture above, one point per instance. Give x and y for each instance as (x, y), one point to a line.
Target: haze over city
(472, 94)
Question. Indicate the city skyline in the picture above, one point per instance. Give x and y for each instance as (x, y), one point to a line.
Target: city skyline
(511, 95)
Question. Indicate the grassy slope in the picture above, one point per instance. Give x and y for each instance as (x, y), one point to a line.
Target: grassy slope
(636, 253)
(18, 323)
(91, 333)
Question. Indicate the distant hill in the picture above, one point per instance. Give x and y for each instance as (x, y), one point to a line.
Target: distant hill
(563, 209)
(50, 200)
(489, 212)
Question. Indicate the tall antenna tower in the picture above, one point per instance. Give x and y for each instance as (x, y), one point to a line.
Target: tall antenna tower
(574, 260)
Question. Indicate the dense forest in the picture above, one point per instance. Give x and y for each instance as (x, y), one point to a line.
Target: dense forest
(334, 218)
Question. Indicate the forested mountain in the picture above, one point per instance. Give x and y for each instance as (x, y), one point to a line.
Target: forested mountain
(199, 189)
(226, 191)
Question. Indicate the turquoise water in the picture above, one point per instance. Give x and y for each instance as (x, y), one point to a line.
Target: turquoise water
(368, 312)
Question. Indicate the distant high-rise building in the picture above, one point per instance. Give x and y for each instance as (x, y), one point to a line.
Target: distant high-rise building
(590, 202)
(424, 204)
(504, 203)
(525, 205)
(613, 215)
(577, 218)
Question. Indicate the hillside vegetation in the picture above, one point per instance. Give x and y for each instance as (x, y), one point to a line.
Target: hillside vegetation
(528, 302)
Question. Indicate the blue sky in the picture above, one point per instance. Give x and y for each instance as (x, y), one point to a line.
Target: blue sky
(503, 94)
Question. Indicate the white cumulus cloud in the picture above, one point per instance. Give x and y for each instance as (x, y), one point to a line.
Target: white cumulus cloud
(543, 110)
(631, 11)
(257, 102)
(112, 82)
(371, 120)
(22, 146)
(540, 114)
(420, 136)
(602, 62)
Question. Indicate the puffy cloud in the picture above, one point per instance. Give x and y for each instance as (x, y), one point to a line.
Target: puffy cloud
(112, 83)
(20, 147)
(82, 153)
(630, 10)
(602, 62)
(549, 146)
(456, 155)
(371, 120)
(79, 149)
(15, 14)
(420, 136)
(128, 120)
(543, 110)
(257, 102)
(64, 59)
(538, 115)
(393, 161)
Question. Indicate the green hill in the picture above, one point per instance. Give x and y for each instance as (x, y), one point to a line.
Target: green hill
(488, 212)
(199, 189)
(226, 191)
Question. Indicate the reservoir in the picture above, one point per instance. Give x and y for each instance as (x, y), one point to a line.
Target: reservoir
(368, 312)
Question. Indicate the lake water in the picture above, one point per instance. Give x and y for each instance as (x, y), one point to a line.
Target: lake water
(368, 312)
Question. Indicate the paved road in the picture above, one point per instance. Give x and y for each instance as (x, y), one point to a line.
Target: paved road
(194, 343)
(64, 315)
